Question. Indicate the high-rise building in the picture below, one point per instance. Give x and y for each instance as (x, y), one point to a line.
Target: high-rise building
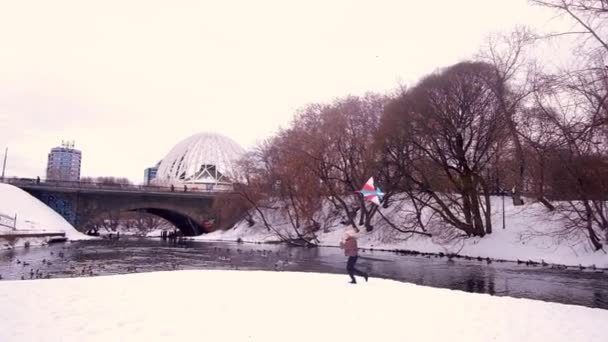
(64, 162)
(150, 173)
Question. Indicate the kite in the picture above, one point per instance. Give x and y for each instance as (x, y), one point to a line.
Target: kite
(371, 193)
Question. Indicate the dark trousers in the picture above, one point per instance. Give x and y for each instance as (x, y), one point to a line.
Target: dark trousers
(352, 271)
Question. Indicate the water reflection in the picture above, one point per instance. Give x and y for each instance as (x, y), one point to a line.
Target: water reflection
(102, 257)
(478, 285)
(598, 299)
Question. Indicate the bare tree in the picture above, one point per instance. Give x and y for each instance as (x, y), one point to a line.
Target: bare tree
(452, 127)
(146, 223)
(575, 104)
(541, 138)
(294, 193)
(110, 221)
(258, 188)
(337, 143)
(512, 83)
(254, 187)
(231, 209)
(396, 153)
(589, 15)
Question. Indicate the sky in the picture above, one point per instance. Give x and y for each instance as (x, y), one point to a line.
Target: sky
(129, 79)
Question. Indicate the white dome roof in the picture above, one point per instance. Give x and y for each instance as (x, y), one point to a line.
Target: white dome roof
(201, 158)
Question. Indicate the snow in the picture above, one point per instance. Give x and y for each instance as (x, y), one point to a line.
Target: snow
(276, 306)
(33, 216)
(528, 236)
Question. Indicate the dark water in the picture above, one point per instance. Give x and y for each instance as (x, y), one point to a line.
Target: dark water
(100, 257)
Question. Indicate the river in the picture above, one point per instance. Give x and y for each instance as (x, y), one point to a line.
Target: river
(127, 255)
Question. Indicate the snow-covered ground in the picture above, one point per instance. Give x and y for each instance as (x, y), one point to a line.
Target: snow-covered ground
(276, 306)
(527, 236)
(33, 216)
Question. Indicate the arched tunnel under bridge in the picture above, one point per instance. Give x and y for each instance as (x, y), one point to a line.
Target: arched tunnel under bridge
(187, 225)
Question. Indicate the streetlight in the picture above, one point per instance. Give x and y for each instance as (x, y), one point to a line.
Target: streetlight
(4, 164)
(503, 193)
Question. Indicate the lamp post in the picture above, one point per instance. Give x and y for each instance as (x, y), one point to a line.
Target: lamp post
(502, 192)
(4, 163)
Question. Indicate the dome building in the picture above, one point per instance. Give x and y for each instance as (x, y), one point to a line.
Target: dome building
(206, 159)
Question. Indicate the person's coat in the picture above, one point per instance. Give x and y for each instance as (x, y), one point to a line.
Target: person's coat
(349, 243)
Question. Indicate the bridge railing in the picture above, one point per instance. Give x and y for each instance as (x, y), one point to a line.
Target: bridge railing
(117, 186)
(8, 221)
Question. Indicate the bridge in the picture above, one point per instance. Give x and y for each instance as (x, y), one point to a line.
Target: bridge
(81, 203)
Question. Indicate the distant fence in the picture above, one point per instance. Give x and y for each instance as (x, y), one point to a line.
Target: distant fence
(8, 221)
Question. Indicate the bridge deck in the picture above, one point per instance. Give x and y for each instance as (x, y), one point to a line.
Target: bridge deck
(80, 187)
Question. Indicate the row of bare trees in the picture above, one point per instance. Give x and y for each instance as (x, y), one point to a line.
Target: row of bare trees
(106, 180)
(568, 124)
(497, 123)
(137, 222)
(309, 171)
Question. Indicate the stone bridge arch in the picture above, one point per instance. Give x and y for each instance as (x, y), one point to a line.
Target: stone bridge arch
(185, 210)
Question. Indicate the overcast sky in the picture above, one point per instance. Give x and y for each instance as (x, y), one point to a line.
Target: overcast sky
(127, 79)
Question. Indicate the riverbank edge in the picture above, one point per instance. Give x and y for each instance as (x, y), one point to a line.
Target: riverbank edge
(449, 256)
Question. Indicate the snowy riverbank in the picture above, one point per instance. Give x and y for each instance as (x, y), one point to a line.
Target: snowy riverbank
(32, 217)
(276, 306)
(528, 235)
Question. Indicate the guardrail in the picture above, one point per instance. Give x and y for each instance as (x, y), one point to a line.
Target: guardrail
(8, 221)
(198, 188)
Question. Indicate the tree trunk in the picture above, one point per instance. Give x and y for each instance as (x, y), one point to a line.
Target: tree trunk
(471, 205)
(541, 184)
(478, 226)
(595, 241)
(488, 208)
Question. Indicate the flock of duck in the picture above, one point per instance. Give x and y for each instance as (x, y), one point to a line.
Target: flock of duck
(542, 263)
(40, 270)
(283, 259)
